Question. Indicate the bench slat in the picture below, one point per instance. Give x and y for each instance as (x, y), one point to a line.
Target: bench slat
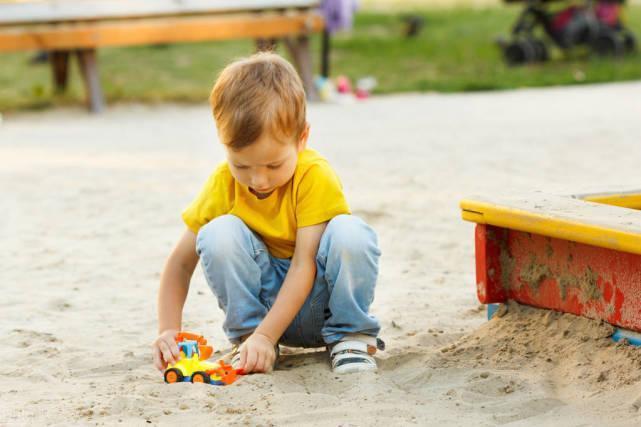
(34, 11)
(158, 30)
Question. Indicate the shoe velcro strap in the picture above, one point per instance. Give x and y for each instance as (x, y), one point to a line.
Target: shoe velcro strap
(351, 356)
(352, 345)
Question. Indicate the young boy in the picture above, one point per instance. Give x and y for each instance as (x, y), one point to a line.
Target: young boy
(273, 231)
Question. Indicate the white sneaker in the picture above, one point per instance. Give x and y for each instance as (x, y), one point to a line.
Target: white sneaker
(352, 355)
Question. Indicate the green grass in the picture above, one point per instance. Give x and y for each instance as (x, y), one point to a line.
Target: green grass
(455, 52)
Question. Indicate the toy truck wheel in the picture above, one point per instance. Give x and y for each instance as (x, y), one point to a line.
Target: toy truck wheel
(173, 375)
(200, 377)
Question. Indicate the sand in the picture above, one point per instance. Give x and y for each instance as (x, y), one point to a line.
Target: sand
(90, 209)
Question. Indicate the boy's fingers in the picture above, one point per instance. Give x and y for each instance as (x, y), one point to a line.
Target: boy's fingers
(156, 357)
(250, 364)
(243, 355)
(166, 353)
(260, 363)
(174, 349)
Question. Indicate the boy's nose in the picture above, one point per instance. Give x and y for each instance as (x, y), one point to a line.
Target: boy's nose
(259, 182)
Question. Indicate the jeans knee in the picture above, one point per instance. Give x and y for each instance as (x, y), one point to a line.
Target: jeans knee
(351, 237)
(220, 237)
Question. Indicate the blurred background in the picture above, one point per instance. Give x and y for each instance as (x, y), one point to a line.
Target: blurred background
(397, 45)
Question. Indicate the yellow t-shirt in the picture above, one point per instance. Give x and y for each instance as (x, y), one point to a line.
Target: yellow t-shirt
(312, 196)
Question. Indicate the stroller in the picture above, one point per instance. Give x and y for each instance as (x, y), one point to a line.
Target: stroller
(595, 25)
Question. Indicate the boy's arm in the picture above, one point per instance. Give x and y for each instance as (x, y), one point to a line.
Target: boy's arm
(174, 285)
(295, 290)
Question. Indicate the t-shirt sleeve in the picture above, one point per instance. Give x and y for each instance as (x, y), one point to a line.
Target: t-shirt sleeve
(212, 201)
(320, 196)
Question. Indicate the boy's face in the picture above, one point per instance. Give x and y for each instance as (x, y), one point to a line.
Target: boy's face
(266, 164)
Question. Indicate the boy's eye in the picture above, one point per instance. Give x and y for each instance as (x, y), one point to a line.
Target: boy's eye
(273, 166)
(242, 167)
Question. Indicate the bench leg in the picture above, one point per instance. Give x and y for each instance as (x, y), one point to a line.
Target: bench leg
(59, 60)
(89, 70)
(301, 55)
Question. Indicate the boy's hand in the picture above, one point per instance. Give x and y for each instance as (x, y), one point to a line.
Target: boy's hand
(165, 350)
(257, 354)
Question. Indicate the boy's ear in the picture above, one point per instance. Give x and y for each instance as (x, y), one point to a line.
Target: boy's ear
(302, 142)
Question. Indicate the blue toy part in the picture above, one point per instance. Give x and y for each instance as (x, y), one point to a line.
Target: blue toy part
(189, 348)
(634, 338)
(491, 309)
(187, 379)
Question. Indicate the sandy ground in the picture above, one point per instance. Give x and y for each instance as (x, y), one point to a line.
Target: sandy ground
(90, 209)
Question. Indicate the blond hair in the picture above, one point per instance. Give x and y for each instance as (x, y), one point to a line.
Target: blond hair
(258, 94)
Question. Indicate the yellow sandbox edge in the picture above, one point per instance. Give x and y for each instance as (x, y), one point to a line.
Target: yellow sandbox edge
(631, 200)
(548, 225)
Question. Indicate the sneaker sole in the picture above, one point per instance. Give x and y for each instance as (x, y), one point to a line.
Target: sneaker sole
(350, 368)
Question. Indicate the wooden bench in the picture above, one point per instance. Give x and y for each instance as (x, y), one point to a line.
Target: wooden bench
(579, 254)
(79, 27)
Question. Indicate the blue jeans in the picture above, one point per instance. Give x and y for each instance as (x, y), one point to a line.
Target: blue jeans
(246, 279)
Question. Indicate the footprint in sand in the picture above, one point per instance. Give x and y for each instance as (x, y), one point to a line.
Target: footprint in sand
(407, 371)
(507, 397)
(29, 336)
(487, 386)
(39, 343)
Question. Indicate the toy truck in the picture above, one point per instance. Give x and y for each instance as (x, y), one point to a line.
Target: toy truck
(193, 365)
